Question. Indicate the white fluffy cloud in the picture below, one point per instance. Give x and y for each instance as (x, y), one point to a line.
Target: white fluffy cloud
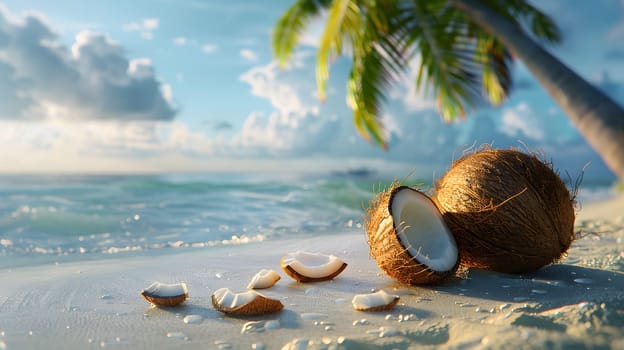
(145, 27)
(92, 80)
(249, 55)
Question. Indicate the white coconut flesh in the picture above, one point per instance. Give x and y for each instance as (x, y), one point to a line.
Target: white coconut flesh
(163, 290)
(226, 298)
(422, 231)
(372, 300)
(264, 279)
(313, 265)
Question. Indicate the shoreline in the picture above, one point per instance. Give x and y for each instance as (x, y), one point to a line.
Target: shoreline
(96, 303)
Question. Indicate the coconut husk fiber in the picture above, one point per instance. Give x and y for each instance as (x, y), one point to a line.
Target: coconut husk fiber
(508, 210)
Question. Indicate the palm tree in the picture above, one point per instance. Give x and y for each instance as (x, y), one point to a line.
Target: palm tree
(466, 48)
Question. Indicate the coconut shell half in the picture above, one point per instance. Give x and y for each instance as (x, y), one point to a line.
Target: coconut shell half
(161, 294)
(308, 267)
(508, 210)
(408, 237)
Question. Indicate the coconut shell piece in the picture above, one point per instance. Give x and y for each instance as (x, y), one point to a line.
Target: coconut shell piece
(264, 279)
(508, 210)
(408, 237)
(249, 303)
(161, 294)
(308, 267)
(375, 302)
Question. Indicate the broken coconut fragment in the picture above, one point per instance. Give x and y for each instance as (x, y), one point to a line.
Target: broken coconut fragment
(247, 303)
(408, 237)
(378, 301)
(162, 294)
(312, 267)
(264, 279)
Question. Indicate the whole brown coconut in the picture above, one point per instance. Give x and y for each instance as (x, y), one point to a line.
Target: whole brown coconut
(508, 210)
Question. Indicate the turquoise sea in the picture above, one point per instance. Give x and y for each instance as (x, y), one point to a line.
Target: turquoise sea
(50, 218)
(81, 216)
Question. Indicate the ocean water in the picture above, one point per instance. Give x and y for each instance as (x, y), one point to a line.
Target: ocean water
(43, 218)
(93, 215)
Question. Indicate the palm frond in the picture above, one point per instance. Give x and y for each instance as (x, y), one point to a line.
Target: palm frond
(442, 41)
(496, 68)
(522, 13)
(287, 31)
(343, 20)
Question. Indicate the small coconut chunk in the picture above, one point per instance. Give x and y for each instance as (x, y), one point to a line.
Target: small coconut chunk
(378, 301)
(312, 267)
(163, 294)
(264, 279)
(245, 303)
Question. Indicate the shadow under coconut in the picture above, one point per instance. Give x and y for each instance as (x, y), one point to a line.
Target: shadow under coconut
(552, 286)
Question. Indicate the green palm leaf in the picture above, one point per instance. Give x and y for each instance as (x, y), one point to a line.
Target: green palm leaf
(343, 20)
(288, 29)
(459, 61)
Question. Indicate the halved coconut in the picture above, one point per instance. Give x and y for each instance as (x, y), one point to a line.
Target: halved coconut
(264, 279)
(408, 237)
(247, 303)
(378, 301)
(162, 294)
(311, 267)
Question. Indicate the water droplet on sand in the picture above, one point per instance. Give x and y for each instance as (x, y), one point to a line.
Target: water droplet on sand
(193, 319)
(388, 332)
(361, 322)
(584, 280)
(177, 335)
(116, 341)
(407, 317)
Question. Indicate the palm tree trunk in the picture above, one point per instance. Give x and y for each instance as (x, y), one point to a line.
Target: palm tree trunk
(597, 117)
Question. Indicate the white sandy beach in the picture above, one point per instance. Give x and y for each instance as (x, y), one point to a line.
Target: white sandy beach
(94, 304)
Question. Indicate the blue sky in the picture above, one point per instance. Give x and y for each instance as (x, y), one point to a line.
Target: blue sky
(190, 85)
